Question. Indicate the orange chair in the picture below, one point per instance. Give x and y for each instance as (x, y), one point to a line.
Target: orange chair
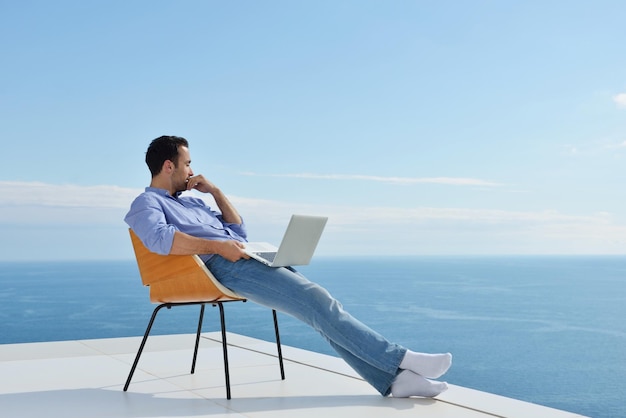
(180, 280)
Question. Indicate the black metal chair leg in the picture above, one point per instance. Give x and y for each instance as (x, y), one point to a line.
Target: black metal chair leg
(195, 351)
(198, 332)
(225, 350)
(278, 345)
(143, 343)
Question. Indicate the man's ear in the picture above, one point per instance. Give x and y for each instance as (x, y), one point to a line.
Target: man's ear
(168, 166)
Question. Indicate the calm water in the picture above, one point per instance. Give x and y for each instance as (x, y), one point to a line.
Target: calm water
(548, 330)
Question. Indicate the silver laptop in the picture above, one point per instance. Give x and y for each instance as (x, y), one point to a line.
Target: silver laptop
(298, 244)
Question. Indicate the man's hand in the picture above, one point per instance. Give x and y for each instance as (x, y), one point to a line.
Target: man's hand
(232, 251)
(229, 213)
(201, 184)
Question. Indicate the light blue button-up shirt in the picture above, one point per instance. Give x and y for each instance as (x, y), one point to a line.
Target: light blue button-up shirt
(155, 216)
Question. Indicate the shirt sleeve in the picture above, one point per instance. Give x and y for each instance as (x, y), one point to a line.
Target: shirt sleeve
(239, 230)
(147, 220)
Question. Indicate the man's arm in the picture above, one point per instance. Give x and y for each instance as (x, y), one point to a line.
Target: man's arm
(229, 213)
(147, 219)
(185, 244)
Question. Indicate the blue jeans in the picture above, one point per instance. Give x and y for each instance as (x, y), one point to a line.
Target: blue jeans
(286, 290)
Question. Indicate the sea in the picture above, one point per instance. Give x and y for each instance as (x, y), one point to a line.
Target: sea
(545, 329)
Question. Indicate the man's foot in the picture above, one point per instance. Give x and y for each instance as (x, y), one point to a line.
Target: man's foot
(409, 384)
(431, 366)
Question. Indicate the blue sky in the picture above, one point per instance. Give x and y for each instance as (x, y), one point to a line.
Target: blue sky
(418, 127)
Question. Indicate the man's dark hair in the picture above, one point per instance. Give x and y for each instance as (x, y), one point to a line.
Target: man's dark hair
(162, 149)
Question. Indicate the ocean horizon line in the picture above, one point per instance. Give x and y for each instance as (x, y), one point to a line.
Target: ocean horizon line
(346, 256)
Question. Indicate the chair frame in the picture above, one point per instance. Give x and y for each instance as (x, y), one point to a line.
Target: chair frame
(219, 300)
(220, 305)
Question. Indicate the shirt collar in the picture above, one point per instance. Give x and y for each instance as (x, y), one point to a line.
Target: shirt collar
(162, 192)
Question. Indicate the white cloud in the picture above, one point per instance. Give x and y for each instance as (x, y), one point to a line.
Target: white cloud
(36, 203)
(54, 195)
(375, 228)
(615, 145)
(44, 196)
(620, 100)
(430, 230)
(596, 147)
(454, 181)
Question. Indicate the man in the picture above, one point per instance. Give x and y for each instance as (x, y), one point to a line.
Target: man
(168, 223)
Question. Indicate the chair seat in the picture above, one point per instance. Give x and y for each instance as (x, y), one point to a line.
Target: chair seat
(178, 278)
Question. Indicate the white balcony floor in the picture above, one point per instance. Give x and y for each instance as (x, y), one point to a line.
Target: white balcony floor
(80, 379)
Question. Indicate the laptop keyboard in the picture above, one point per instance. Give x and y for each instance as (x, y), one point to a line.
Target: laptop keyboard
(268, 256)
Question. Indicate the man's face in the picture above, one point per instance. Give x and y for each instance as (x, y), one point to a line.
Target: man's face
(183, 170)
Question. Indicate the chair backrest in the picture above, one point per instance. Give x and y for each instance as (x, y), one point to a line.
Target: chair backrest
(178, 278)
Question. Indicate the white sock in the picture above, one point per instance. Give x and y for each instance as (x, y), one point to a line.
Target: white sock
(409, 384)
(431, 366)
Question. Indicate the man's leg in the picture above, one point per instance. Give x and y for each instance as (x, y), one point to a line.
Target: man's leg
(370, 354)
